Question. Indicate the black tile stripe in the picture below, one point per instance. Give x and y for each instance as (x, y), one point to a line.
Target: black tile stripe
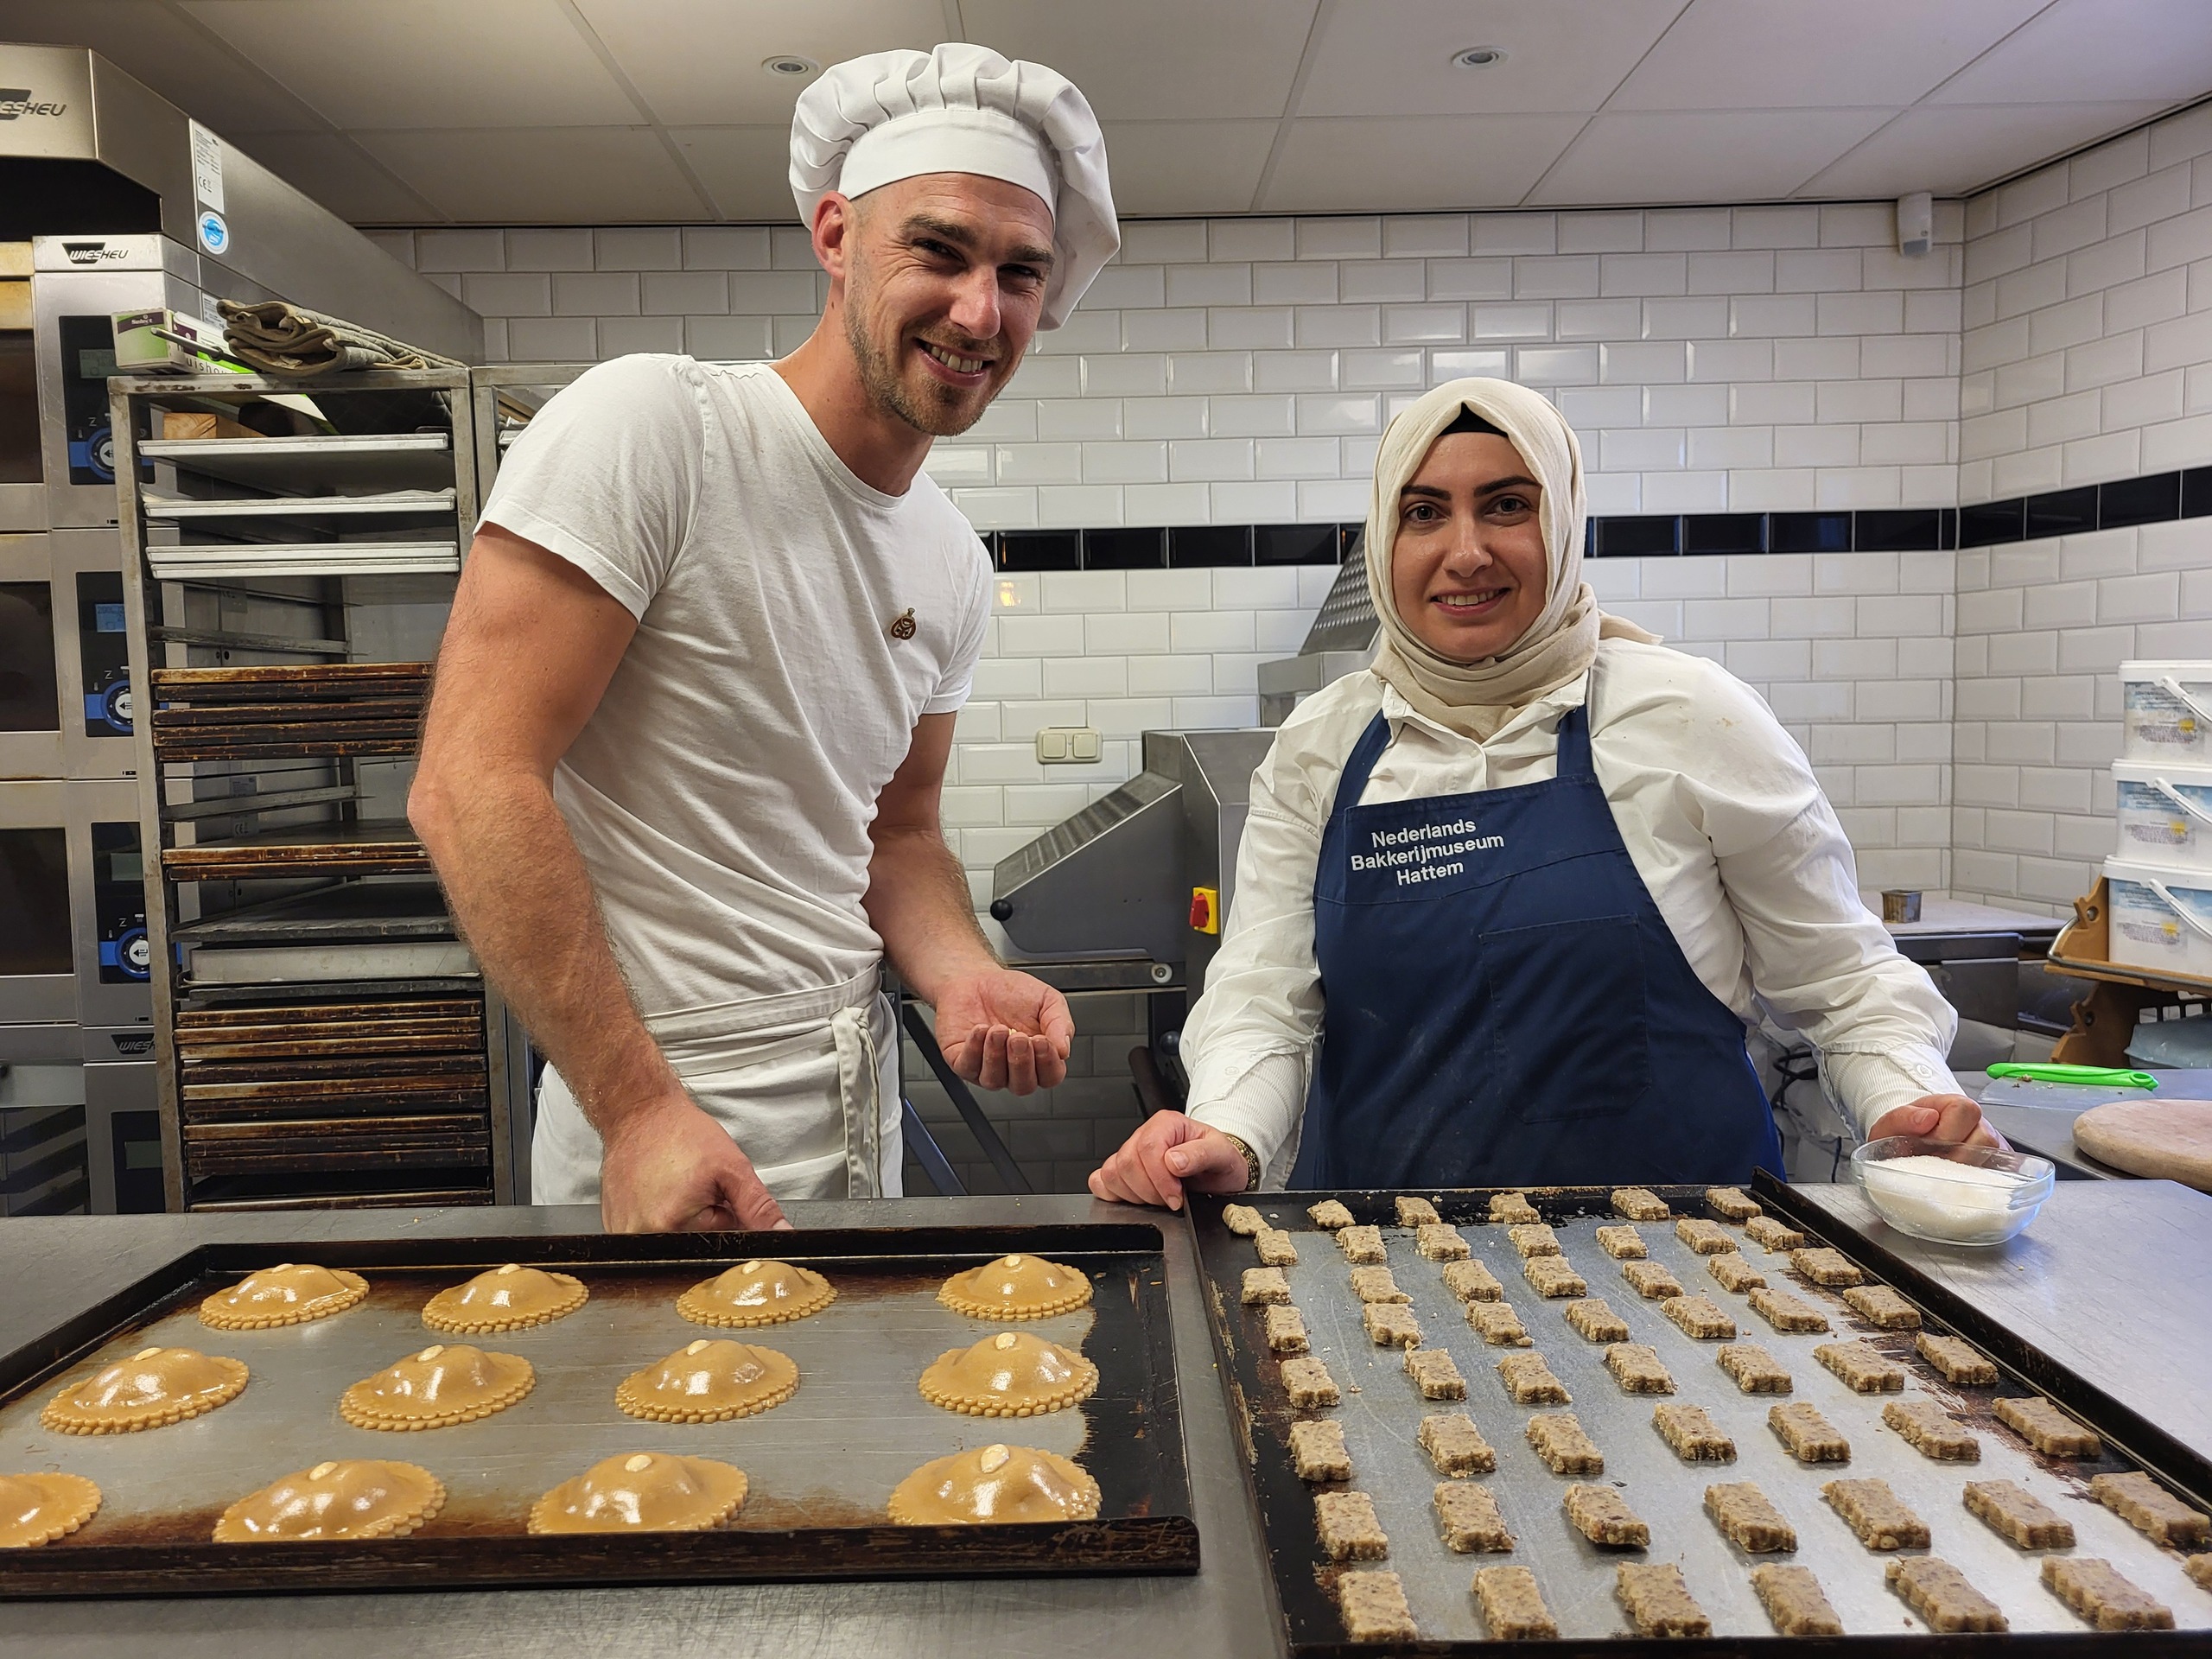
(2157, 498)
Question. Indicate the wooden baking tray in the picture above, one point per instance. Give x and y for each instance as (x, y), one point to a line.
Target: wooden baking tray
(821, 1464)
(1382, 1410)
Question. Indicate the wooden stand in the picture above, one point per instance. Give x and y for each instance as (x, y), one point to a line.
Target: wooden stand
(2105, 1019)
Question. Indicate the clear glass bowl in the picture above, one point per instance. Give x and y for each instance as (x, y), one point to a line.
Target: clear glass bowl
(1980, 1196)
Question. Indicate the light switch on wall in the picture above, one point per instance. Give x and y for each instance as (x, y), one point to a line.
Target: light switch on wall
(1065, 746)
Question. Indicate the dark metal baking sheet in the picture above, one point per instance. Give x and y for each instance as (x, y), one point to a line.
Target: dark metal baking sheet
(821, 1464)
(1382, 1411)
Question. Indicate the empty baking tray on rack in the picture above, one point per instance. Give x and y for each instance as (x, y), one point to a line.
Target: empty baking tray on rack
(369, 462)
(206, 560)
(821, 1465)
(352, 931)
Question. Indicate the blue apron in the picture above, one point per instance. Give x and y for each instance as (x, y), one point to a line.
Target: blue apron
(1505, 1005)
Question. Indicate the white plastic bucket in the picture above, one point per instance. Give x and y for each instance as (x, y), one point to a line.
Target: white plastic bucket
(2165, 813)
(2169, 711)
(2158, 917)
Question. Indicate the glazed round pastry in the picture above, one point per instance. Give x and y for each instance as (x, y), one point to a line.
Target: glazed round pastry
(511, 1297)
(707, 1382)
(994, 1484)
(358, 1497)
(1011, 1375)
(757, 1292)
(1015, 1288)
(291, 1292)
(153, 1388)
(444, 1384)
(645, 1491)
(39, 1508)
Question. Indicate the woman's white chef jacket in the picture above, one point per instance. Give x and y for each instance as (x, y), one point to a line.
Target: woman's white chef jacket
(1722, 818)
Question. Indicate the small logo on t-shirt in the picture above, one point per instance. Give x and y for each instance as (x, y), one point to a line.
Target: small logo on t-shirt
(903, 628)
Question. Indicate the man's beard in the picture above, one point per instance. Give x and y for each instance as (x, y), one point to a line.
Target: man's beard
(940, 415)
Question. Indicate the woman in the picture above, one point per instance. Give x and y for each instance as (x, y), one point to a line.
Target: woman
(1507, 902)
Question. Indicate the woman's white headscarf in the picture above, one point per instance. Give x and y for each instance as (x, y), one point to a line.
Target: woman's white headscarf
(1477, 698)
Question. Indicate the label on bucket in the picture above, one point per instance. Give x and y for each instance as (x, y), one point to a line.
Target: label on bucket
(2158, 722)
(2143, 918)
(2148, 818)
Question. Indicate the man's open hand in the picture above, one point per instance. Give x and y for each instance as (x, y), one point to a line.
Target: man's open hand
(670, 1169)
(1005, 1030)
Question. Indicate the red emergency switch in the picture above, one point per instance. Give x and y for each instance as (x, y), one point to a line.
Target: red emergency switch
(1205, 910)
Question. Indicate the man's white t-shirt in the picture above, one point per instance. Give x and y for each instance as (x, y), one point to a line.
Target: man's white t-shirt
(721, 793)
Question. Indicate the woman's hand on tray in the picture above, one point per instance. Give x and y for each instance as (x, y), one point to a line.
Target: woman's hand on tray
(670, 1169)
(1952, 1118)
(1168, 1153)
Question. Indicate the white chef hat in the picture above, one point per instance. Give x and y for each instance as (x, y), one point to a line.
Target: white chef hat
(872, 121)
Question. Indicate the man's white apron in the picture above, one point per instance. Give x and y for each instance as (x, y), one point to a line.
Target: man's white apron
(805, 1082)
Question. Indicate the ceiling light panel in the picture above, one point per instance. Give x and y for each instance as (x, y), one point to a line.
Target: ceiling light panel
(1158, 59)
(1721, 155)
(1410, 163)
(746, 169)
(1170, 167)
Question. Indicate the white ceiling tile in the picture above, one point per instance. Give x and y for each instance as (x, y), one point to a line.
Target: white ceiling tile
(746, 169)
(1386, 164)
(2087, 51)
(1157, 59)
(697, 63)
(1161, 167)
(333, 172)
(1393, 57)
(1720, 155)
(1951, 150)
(201, 76)
(1775, 55)
(390, 64)
(541, 175)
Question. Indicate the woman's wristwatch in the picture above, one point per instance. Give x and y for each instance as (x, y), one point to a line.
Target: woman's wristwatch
(1251, 1160)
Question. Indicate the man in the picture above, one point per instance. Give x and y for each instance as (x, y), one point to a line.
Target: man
(681, 772)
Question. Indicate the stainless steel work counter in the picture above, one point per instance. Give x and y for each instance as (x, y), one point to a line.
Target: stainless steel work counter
(49, 1267)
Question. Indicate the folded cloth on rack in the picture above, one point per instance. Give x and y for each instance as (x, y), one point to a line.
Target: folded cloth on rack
(279, 338)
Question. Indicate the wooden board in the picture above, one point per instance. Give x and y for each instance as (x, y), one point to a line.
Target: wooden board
(2158, 1139)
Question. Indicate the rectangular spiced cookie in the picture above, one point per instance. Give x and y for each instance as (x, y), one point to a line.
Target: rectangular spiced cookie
(2100, 1595)
(1468, 1517)
(1882, 1307)
(1329, 1214)
(1939, 1592)
(1552, 1277)
(1771, 1235)
(1513, 1607)
(2049, 1430)
(1439, 1242)
(1602, 1515)
(1376, 1284)
(1877, 1514)
(1692, 1435)
(1623, 1243)
(1706, 1237)
(2150, 1509)
(1264, 1286)
(2199, 1568)
(1350, 1529)
(1307, 1382)
(1373, 1607)
(1499, 1325)
(1361, 1244)
(1636, 1203)
(1534, 1238)
(1455, 1446)
(1512, 1207)
(1808, 1436)
(1787, 1312)
(1436, 1374)
(1650, 1279)
(1635, 1367)
(1932, 1431)
(1242, 1219)
(1594, 1319)
(1530, 1382)
(1756, 1371)
(1731, 1205)
(2014, 1512)
(1748, 1519)
(1286, 1330)
(1793, 1600)
(1471, 1282)
(1734, 1272)
(1275, 1247)
(1417, 1212)
(1318, 1453)
(1391, 1324)
(1957, 1360)
(1699, 1317)
(1823, 1266)
(1658, 1602)
(1558, 1438)
(1863, 1370)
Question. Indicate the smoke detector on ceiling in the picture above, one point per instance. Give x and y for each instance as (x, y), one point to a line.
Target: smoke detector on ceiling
(790, 66)
(1477, 57)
